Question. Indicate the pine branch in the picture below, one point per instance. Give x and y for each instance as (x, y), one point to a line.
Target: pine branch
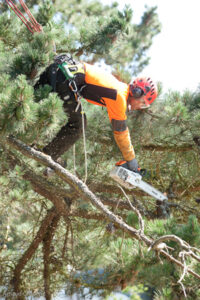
(87, 195)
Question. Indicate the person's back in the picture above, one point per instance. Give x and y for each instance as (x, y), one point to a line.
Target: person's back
(103, 87)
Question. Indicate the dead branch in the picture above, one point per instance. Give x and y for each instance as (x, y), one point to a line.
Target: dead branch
(51, 191)
(171, 237)
(159, 245)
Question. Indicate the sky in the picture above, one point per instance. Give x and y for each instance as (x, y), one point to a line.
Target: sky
(175, 53)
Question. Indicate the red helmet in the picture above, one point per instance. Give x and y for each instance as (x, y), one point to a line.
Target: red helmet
(148, 88)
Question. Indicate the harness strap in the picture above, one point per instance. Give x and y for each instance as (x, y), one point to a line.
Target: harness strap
(70, 71)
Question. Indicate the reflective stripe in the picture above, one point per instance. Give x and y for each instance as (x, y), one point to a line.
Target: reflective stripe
(119, 125)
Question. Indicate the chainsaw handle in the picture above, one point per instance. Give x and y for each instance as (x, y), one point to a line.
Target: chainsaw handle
(123, 163)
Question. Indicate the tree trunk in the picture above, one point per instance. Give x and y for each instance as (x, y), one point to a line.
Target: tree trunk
(16, 280)
(47, 255)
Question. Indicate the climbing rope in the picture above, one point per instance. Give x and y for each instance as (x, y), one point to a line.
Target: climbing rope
(32, 25)
(84, 144)
(74, 88)
(84, 139)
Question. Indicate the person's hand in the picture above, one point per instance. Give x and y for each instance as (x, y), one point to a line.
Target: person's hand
(133, 165)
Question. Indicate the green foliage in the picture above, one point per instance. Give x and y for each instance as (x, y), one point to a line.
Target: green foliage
(33, 55)
(45, 13)
(51, 116)
(19, 112)
(17, 107)
(8, 29)
(132, 219)
(103, 31)
(190, 232)
(165, 293)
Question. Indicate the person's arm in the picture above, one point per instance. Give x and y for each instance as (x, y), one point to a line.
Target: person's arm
(122, 138)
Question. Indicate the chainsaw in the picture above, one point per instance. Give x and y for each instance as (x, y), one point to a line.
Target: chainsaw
(130, 180)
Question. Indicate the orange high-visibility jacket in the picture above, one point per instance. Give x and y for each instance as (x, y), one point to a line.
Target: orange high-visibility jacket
(102, 88)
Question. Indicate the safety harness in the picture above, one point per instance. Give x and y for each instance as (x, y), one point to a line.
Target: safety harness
(71, 71)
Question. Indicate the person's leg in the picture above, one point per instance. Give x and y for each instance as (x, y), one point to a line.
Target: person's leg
(72, 131)
(68, 134)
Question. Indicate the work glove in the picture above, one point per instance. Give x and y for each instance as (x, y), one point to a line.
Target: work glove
(133, 165)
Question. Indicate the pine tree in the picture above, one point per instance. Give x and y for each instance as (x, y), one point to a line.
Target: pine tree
(53, 230)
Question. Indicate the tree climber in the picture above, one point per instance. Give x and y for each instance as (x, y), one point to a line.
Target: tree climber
(72, 81)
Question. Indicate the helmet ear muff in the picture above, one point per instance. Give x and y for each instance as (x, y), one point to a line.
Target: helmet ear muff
(136, 92)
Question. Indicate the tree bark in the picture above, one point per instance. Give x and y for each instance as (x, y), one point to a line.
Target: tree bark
(47, 241)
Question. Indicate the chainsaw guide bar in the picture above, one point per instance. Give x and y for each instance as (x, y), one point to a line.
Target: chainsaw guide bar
(131, 180)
